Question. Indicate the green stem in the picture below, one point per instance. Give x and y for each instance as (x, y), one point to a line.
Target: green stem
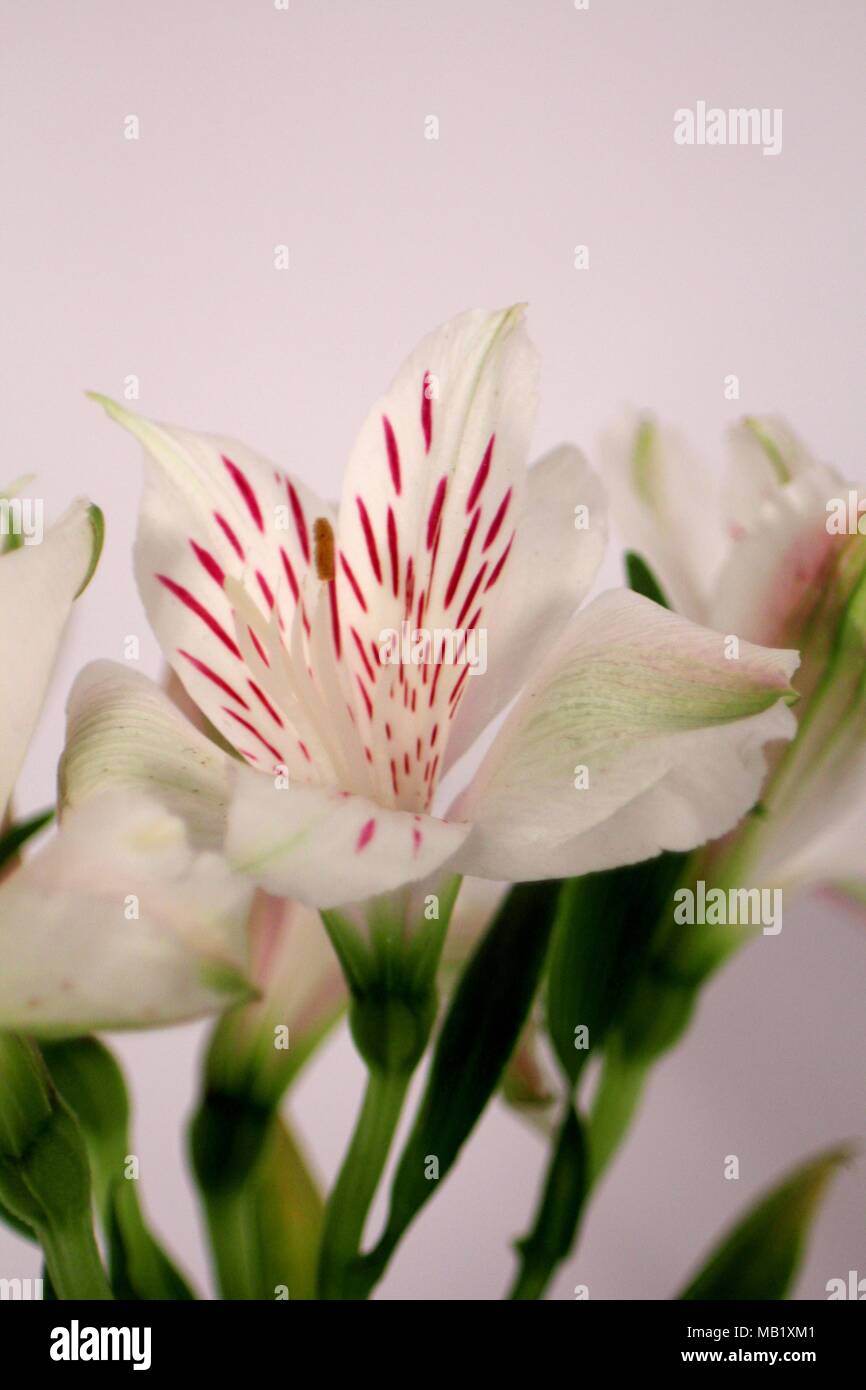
(616, 1101)
(73, 1262)
(356, 1185)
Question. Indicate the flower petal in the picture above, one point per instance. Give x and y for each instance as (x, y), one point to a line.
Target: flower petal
(327, 848)
(116, 923)
(37, 586)
(560, 541)
(766, 455)
(428, 509)
(664, 508)
(225, 544)
(781, 558)
(123, 732)
(637, 735)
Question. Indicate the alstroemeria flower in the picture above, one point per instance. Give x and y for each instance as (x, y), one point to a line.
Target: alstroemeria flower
(764, 557)
(272, 611)
(115, 921)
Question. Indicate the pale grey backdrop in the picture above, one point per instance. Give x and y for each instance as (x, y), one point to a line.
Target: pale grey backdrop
(307, 127)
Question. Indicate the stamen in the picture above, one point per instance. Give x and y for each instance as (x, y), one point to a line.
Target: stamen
(323, 541)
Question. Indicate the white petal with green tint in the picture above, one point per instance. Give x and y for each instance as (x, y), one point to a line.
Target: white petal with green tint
(123, 732)
(636, 735)
(665, 508)
(117, 923)
(38, 584)
(325, 847)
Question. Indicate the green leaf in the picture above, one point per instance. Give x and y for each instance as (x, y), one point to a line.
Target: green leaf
(15, 836)
(44, 1171)
(480, 1031)
(92, 1084)
(605, 928)
(760, 1255)
(555, 1226)
(642, 580)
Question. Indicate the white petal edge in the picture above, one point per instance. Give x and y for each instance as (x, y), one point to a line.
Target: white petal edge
(671, 734)
(117, 923)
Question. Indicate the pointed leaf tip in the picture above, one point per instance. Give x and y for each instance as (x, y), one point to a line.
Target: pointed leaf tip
(97, 527)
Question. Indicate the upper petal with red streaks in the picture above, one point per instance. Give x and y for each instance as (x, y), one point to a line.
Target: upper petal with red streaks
(427, 516)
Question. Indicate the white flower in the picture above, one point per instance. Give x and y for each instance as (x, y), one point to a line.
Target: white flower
(271, 610)
(762, 558)
(115, 921)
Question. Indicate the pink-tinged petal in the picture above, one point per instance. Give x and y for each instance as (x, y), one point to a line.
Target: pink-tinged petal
(781, 555)
(438, 464)
(118, 923)
(326, 848)
(38, 584)
(636, 734)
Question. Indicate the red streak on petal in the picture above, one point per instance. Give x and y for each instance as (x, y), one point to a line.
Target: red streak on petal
(470, 596)
(496, 522)
(347, 570)
(218, 681)
(420, 609)
(394, 782)
(258, 646)
(265, 588)
(460, 563)
(368, 755)
(455, 693)
(230, 536)
(365, 835)
(393, 453)
(370, 539)
(300, 520)
(392, 549)
(426, 412)
(305, 750)
(414, 696)
(438, 673)
(200, 611)
(363, 655)
(214, 569)
(251, 728)
(410, 586)
(416, 839)
(367, 701)
(499, 564)
(433, 735)
(418, 750)
(388, 733)
(242, 484)
(406, 763)
(335, 617)
(290, 574)
(436, 511)
(480, 476)
(262, 697)
(433, 769)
